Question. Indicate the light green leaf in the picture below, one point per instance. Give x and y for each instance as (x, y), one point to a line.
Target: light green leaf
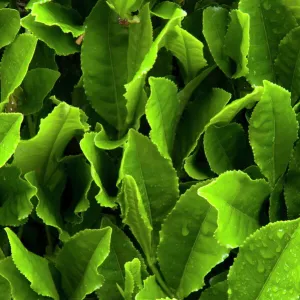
(273, 131)
(162, 114)
(227, 114)
(35, 268)
(36, 85)
(271, 256)
(43, 152)
(125, 7)
(151, 290)
(287, 64)
(188, 50)
(80, 273)
(9, 135)
(194, 120)
(186, 235)
(140, 41)
(133, 279)
(135, 95)
(134, 214)
(155, 177)
(216, 292)
(9, 24)
(104, 67)
(18, 285)
(122, 251)
(15, 196)
(270, 22)
(239, 200)
(103, 170)
(62, 43)
(236, 44)
(15, 63)
(54, 14)
(226, 147)
(291, 187)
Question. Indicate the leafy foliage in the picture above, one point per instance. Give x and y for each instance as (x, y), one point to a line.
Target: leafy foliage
(149, 149)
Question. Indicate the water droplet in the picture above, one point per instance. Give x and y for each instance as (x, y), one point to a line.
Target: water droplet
(283, 292)
(275, 289)
(266, 5)
(250, 259)
(229, 291)
(280, 233)
(260, 267)
(277, 11)
(185, 231)
(278, 248)
(251, 247)
(266, 253)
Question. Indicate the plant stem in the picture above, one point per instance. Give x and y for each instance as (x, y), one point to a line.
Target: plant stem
(159, 279)
(31, 126)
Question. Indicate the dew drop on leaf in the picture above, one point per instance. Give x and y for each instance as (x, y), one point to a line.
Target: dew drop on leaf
(280, 233)
(278, 249)
(185, 231)
(260, 267)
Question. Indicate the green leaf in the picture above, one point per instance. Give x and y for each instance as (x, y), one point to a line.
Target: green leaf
(194, 120)
(270, 22)
(134, 214)
(226, 147)
(182, 251)
(3, 3)
(37, 85)
(103, 170)
(151, 290)
(188, 50)
(271, 256)
(216, 292)
(277, 209)
(135, 95)
(287, 64)
(122, 251)
(133, 279)
(18, 285)
(104, 67)
(9, 135)
(140, 41)
(54, 14)
(125, 7)
(162, 114)
(33, 267)
(79, 261)
(15, 63)
(273, 131)
(43, 152)
(155, 177)
(239, 200)
(62, 43)
(15, 196)
(291, 187)
(9, 24)
(236, 44)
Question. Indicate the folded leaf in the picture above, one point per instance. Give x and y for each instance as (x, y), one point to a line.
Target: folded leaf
(155, 177)
(103, 170)
(9, 24)
(186, 235)
(287, 64)
(150, 289)
(79, 261)
(62, 43)
(238, 200)
(162, 114)
(226, 147)
(134, 214)
(15, 197)
(35, 268)
(271, 256)
(9, 135)
(194, 120)
(122, 251)
(270, 22)
(15, 63)
(18, 286)
(273, 131)
(104, 68)
(42, 152)
(188, 50)
(36, 85)
(54, 14)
